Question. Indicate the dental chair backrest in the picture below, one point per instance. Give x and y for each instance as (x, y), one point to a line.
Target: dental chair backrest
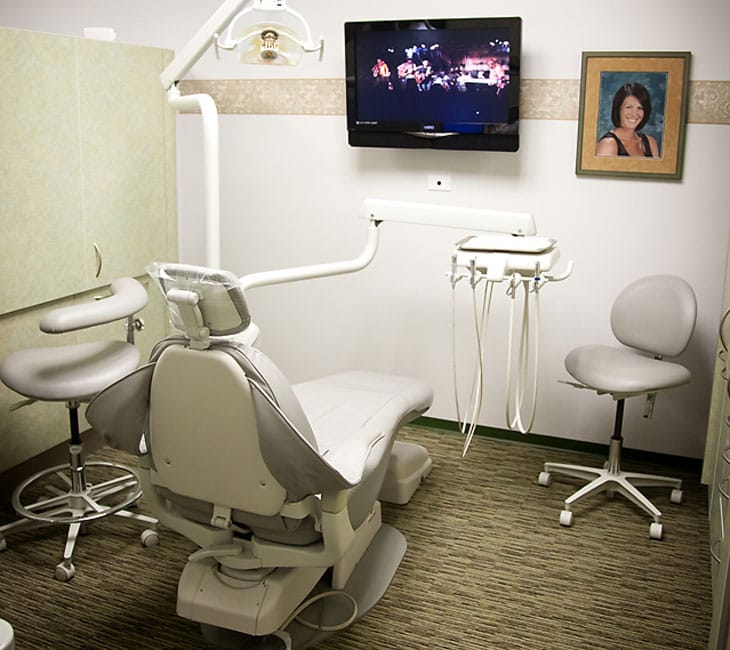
(225, 427)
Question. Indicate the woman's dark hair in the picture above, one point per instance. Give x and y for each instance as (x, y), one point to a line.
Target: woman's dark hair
(638, 91)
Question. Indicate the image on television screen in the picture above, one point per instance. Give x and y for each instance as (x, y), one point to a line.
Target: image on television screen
(433, 79)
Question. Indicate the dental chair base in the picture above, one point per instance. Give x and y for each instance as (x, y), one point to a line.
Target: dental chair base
(215, 601)
(408, 467)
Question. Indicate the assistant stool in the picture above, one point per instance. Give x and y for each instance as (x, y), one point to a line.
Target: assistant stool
(653, 317)
(73, 374)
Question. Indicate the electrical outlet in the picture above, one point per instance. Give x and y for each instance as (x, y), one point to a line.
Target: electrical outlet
(439, 182)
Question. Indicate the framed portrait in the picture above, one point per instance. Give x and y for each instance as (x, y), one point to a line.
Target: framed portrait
(633, 114)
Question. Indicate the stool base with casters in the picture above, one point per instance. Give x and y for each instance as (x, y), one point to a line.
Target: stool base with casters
(611, 478)
(75, 499)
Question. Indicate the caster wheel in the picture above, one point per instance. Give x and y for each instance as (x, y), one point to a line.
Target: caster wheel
(544, 478)
(3, 544)
(656, 530)
(566, 518)
(676, 496)
(64, 572)
(149, 538)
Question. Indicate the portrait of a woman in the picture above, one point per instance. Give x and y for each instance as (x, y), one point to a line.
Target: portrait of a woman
(630, 111)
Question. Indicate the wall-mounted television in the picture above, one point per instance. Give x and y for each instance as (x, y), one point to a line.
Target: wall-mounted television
(449, 83)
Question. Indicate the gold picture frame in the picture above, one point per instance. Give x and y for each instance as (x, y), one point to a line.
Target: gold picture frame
(611, 145)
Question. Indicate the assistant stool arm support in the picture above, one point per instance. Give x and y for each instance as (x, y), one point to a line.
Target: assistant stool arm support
(128, 296)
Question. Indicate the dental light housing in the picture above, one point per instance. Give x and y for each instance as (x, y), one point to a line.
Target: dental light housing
(279, 35)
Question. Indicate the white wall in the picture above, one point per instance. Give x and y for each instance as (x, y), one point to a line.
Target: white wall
(291, 188)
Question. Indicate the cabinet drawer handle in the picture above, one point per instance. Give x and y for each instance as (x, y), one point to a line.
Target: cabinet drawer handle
(720, 489)
(723, 342)
(715, 555)
(99, 262)
(725, 456)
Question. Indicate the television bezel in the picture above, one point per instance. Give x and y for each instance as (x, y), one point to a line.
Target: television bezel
(496, 137)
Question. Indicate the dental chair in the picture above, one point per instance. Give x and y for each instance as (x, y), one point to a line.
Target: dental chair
(653, 317)
(79, 492)
(277, 485)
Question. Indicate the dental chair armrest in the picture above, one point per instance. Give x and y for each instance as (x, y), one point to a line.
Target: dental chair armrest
(128, 296)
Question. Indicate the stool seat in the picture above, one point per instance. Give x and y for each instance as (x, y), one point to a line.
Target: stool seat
(610, 369)
(73, 373)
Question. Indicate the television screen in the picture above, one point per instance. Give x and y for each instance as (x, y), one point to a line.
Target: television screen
(447, 83)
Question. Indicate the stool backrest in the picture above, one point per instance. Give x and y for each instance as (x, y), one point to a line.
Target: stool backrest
(655, 314)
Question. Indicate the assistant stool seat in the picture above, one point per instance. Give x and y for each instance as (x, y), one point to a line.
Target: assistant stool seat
(74, 374)
(653, 317)
(70, 373)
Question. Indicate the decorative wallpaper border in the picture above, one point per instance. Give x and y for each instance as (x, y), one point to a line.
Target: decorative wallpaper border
(542, 99)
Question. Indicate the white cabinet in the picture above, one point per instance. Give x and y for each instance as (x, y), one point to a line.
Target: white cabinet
(716, 473)
(720, 533)
(88, 163)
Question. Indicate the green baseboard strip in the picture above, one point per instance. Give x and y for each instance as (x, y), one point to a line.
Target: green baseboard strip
(690, 464)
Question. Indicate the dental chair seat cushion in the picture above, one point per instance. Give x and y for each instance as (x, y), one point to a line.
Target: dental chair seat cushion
(609, 369)
(334, 433)
(68, 373)
(366, 406)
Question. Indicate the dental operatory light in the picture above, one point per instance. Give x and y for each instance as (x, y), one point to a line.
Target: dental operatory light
(269, 42)
(263, 31)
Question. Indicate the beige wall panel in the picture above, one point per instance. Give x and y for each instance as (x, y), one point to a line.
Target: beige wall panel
(40, 181)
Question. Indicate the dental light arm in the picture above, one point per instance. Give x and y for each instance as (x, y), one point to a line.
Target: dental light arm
(425, 214)
(379, 210)
(203, 39)
(205, 105)
(295, 274)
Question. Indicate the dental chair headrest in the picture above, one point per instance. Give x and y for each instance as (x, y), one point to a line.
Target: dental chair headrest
(202, 302)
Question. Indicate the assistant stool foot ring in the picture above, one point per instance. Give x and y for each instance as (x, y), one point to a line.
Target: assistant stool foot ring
(75, 502)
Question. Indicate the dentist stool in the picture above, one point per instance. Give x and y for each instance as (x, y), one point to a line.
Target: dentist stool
(73, 374)
(653, 317)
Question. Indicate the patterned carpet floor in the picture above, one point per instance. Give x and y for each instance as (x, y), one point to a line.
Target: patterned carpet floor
(488, 566)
